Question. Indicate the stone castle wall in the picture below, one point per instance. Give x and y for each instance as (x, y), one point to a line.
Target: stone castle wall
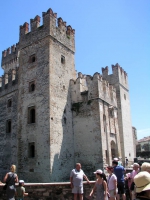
(76, 119)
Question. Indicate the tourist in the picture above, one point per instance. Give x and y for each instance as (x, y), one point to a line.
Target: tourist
(112, 183)
(100, 186)
(126, 161)
(142, 183)
(10, 179)
(128, 185)
(20, 191)
(76, 179)
(132, 175)
(145, 167)
(119, 172)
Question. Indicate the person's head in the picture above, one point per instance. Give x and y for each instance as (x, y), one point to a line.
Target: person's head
(21, 182)
(78, 166)
(13, 168)
(115, 163)
(142, 182)
(110, 169)
(100, 175)
(136, 166)
(145, 167)
(116, 159)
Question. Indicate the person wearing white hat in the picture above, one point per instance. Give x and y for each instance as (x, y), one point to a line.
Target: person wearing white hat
(142, 183)
(100, 186)
(20, 191)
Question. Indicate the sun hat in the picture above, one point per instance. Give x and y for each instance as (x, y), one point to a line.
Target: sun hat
(21, 181)
(142, 181)
(99, 171)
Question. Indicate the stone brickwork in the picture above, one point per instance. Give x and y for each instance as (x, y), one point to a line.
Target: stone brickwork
(56, 119)
(51, 191)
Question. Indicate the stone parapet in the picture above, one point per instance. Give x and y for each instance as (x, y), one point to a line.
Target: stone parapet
(50, 191)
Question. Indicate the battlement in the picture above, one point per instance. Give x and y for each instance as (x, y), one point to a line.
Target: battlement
(8, 80)
(10, 56)
(56, 27)
(118, 75)
(94, 87)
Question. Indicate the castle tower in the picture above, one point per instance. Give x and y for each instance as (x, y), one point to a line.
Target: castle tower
(119, 80)
(45, 120)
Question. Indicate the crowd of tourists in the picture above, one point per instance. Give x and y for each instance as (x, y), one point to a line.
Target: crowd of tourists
(115, 185)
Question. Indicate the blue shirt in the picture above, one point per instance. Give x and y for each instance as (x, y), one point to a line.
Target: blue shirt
(119, 172)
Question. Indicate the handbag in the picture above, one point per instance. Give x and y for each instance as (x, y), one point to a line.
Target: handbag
(5, 187)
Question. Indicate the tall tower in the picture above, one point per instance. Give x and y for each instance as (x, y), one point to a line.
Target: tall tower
(119, 80)
(46, 64)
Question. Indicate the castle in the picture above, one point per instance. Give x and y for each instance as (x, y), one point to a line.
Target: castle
(50, 118)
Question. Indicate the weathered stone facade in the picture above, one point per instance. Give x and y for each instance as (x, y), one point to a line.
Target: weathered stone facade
(49, 118)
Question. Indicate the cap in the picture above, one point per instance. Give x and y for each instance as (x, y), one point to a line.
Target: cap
(21, 181)
(99, 171)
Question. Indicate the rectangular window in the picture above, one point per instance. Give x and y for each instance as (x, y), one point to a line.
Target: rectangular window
(8, 126)
(9, 103)
(31, 150)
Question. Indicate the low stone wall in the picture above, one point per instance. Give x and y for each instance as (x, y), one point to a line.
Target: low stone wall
(50, 191)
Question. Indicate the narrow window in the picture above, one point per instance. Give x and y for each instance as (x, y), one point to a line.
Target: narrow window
(104, 122)
(8, 126)
(9, 103)
(65, 120)
(31, 150)
(124, 96)
(31, 115)
(32, 58)
(31, 86)
(62, 59)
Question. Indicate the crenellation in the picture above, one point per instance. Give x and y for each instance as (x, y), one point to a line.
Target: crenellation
(95, 86)
(105, 71)
(56, 28)
(9, 79)
(24, 29)
(35, 23)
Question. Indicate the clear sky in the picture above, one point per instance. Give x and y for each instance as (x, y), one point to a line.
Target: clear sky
(107, 32)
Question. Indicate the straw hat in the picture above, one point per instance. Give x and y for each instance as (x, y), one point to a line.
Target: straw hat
(142, 181)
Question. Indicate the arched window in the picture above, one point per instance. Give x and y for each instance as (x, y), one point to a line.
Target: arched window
(31, 86)
(31, 115)
(62, 59)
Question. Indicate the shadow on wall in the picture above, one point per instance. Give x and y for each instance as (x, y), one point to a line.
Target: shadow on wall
(62, 149)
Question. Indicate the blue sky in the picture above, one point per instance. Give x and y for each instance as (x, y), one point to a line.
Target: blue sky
(107, 32)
